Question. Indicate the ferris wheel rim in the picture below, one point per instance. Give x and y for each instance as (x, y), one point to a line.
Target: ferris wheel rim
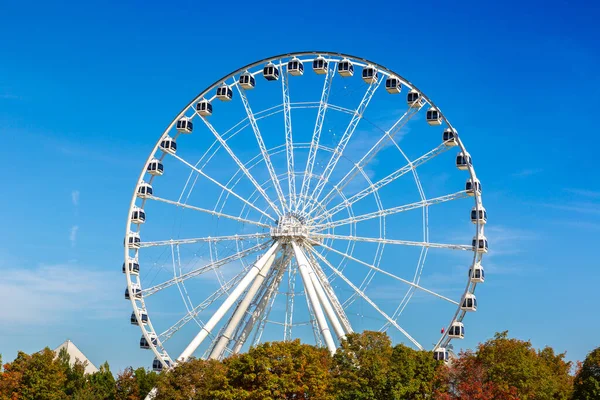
(470, 288)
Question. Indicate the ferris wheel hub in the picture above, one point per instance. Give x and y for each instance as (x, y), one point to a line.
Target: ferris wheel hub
(289, 227)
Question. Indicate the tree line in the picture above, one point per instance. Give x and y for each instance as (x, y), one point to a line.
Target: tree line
(365, 367)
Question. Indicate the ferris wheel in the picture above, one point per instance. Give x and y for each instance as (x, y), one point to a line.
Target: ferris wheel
(308, 195)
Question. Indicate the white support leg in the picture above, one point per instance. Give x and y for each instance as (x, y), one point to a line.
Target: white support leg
(331, 315)
(241, 309)
(235, 294)
(304, 267)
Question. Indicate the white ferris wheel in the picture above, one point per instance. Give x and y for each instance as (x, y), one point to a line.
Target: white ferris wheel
(300, 197)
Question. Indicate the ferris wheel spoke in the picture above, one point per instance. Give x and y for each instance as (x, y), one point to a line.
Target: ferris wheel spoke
(392, 210)
(393, 241)
(211, 212)
(264, 152)
(368, 300)
(205, 268)
(339, 150)
(314, 144)
(216, 295)
(374, 268)
(210, 239)
(372, 152)
(242, 167)
(384, 181)
(228, 190)
(289, 303)
(289, 144)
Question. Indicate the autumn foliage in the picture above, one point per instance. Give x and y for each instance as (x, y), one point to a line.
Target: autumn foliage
(365, 367)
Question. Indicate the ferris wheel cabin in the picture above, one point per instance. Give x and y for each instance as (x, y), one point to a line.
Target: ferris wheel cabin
(155, 167)
(477, 274)
(133, 265)
(144, 190)
(133, 240)
(295, 67)
(369, 74)
(144, 344)
(413, 99)
(478, 216)
(168, 145)
(457, 330)
(136, 291)
(157, 365)
(224, 93)
(473, 186)
(247, 81)
(393, 85)
(449, 137)
(320, 65)
(480, 245)
(440, 354)
(434, 117)
(204, 108)
(271, 72)
(463, 161)
(138, 216)
(469, 303)
(346, 68)
(185, 125)
(143, 318)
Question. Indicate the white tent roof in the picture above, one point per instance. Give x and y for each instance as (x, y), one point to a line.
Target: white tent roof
(76, 354)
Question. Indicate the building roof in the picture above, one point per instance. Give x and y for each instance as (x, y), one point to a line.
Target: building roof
(76, 354)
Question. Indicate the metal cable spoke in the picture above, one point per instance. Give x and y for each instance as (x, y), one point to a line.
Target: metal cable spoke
(171, 242)
(368, 300)
(394, 241)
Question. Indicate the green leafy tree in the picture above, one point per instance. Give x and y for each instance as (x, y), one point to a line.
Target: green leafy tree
(43, 377)
(126, 387)
(412, 374)
(11, 377)
(102, 383)
(281, 370)
(145, 380)
(195, 380)
(362, 366)
(587, 379)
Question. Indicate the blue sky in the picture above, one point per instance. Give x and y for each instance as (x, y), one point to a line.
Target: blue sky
(85, 90)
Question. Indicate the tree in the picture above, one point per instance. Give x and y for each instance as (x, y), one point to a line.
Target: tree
(126, 387)
(43, 377)
(145, 380)
(412, 375)
(195, 380)
(102, 383)
(362, 366)
(587, 379)
(280, 370)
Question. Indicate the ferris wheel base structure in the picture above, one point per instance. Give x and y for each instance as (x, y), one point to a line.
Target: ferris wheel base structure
(319, 206)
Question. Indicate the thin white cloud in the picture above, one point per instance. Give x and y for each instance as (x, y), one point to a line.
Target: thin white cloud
(585, 193)
(527, 172)
(75, 197)
(50, 294)
(73, 235)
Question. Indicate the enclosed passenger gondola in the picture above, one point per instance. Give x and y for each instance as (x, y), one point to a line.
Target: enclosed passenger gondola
(133, 240)
(463, 161)
(168, 145)
(440, 354)
(469, 303)
(185, 125)
(224, 93)
(434, 117)
(477, 274)
(136, 292)
(393, 85)
(247, 81)
(157, 364)
(271, 72)
(480, 245)
(449, 137)
(295, 67)
(457, 330)
(143, 318)
(346, 68)
(204, 108)
(133, 265)
(413, 99)
(144, 190)
(155, 167)
(320, 65)
(138, 216)
(472, 187)
(478, 216)
(369, 74)
(144, 344)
